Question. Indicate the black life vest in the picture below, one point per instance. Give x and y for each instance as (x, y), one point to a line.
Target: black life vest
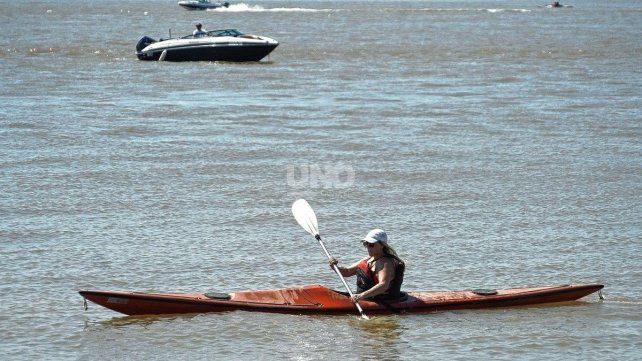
(366, 279)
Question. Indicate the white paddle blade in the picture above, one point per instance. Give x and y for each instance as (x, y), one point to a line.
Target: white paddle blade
(305, 216)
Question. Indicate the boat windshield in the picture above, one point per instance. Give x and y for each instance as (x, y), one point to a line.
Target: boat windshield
(224, 32)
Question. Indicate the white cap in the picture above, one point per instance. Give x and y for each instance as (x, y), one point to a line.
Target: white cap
(376, 235)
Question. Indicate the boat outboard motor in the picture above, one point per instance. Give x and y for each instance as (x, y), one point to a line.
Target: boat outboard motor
(144, 42)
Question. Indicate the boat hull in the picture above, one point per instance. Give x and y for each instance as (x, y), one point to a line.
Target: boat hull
(191, 5)
(316, 299)
(235, 53)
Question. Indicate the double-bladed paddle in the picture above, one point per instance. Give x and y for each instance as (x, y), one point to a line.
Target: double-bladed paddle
(306, 218)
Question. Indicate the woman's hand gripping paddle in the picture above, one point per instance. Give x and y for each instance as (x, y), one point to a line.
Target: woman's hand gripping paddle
(306, 218)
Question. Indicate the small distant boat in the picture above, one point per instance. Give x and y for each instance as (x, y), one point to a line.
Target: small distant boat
(202, 4)
(556, 4)
(216, 45)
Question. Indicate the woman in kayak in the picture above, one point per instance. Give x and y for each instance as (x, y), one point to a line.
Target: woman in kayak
(380, 274)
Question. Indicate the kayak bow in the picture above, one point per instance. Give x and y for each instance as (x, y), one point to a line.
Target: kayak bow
(317, 299)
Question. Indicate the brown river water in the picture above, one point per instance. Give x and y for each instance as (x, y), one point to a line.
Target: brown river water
(498, 143)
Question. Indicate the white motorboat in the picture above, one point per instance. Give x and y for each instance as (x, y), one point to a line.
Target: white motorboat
(201, 4)
(216, 45)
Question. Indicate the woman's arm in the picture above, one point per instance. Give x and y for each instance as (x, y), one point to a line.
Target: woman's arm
(350, 270)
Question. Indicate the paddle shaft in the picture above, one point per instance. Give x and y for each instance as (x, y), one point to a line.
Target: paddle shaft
(336, 269)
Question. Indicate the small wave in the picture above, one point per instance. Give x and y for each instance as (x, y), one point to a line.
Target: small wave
(238, 8)
(622, 300)
(40, 50)
(625, 302)
(471, 9)
(22, 125)
(503, 10)
(128, 130)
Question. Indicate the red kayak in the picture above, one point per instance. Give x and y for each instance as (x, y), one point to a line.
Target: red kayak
(317, 299)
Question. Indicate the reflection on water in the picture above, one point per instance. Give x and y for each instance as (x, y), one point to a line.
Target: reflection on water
(145, 320)
(380, 335)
